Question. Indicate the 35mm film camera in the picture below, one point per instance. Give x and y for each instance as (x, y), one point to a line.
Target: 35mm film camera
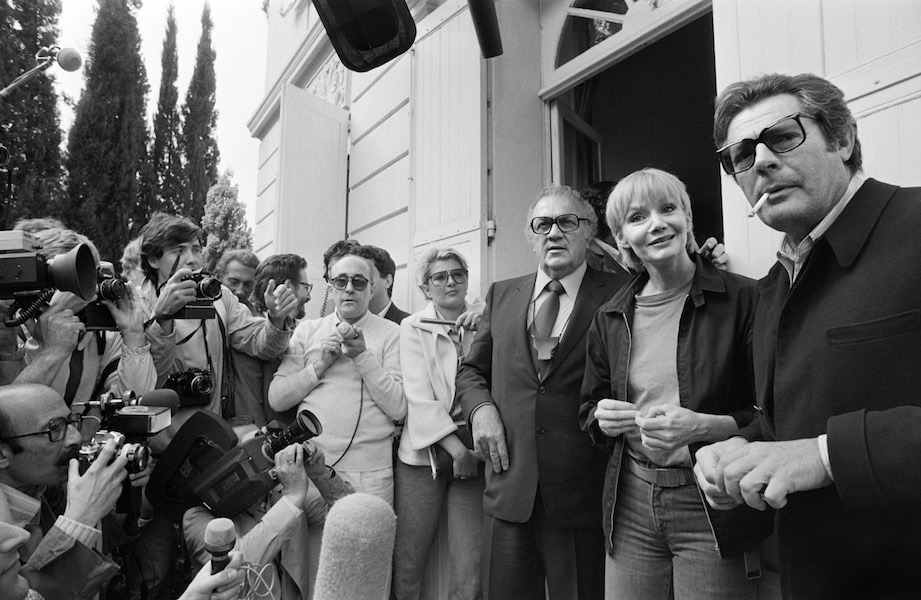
(138, 454)
(96, 316)
(207, 290)
(193, 386)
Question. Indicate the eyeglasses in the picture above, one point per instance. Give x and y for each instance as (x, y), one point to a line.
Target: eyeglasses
(440, 279)
(309, 286)
(341, 282)
(567, 223)
(780, 137)
(57, 428)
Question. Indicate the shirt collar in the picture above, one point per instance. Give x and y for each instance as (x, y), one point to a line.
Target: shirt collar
(571, 283)
(383, 312)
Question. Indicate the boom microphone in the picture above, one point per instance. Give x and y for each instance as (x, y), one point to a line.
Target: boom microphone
(220, 537)
(357, 548)
(68, 58)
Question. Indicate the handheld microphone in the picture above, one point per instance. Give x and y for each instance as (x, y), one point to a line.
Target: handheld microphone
(357, 548)
(346, 330)
(220, 537)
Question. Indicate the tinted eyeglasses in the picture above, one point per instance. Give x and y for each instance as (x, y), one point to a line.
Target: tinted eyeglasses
(567, 223)
(780, 137)
(342, 282)
(57, 428)
(440, 279)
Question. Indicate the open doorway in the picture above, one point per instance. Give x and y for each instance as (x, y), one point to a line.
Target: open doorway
(652, 109)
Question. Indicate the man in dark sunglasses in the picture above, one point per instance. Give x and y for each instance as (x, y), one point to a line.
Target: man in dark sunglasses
(39, 441)
(837, 346)
(519, 389)
(345, 368)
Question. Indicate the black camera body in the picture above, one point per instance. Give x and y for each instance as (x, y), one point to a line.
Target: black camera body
(246, 473)
(207, 290)
(96, 317)
(193, 386)
(138, 453)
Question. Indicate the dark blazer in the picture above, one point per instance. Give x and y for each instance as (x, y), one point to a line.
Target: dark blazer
(541, 417)
(395, 314)
(840, 353)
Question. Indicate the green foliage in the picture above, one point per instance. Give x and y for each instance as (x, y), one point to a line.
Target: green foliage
(199, 119)
(165, 156)
(224, 222)
(30, 126)
(107, 145)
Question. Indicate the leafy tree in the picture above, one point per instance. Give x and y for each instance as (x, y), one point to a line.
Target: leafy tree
(166, 157)
(224, 222)
(107, 145)
(30, 126)
(199, 121)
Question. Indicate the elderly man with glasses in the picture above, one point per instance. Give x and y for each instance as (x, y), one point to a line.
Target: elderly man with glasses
(39, 441)
(345, 368)
(519, 389)
(837, 347)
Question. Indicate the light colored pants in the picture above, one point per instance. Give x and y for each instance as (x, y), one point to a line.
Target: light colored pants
(419, 500)
(377, 483)
(664, 547)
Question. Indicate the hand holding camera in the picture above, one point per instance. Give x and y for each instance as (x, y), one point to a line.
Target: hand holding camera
(178, 291)
(93, 494)
(289, 468)
(59, 330)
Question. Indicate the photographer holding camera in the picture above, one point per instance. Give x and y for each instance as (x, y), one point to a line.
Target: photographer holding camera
(78, 364)
(40, 440)
(287, 524)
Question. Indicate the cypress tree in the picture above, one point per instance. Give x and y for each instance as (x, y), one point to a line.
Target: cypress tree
(30, 126)
(166, 157)
(199, 122)
(107, 145)
(224, 222)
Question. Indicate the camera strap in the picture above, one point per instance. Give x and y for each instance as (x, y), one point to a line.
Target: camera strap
(228, 391)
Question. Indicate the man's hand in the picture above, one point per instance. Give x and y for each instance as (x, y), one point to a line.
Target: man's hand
(280, 302)
(709, 472)
(314, 461)
(330, 351)
(141, 478)
(178, 291)
(615, 417)
(715, 252)
(59, 331)
(764, 473)
(354, 346)
(129, 316)
(92, 495)
(221, 586)
(489, 437)
(292, 474)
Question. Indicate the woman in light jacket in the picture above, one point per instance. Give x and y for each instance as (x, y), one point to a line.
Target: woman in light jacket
(433, 341)
(668, 369)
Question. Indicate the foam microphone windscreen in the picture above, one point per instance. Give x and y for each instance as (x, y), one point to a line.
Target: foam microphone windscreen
(357, 549)
(69, 59)
(220, 537)
(163, 398)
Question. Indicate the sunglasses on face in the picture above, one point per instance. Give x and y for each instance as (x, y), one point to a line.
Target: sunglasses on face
(567, 223)
(440, 279)
(342, 282)
(57, 428)
(781, 136)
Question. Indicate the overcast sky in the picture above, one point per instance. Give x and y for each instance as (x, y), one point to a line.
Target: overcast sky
(238, 38)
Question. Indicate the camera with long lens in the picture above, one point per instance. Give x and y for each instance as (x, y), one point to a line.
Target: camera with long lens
(30, 280)
(96, 317)
(138, 454)
(193, 386)
(246, 473)
(207, 290)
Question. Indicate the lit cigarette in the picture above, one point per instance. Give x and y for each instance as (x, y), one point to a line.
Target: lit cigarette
(758, 204)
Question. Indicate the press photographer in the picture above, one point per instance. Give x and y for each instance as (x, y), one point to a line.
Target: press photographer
(80, 365)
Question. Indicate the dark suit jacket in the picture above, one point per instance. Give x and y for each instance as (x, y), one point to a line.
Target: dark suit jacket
(541, 417)
(840, 354)
(395, 314)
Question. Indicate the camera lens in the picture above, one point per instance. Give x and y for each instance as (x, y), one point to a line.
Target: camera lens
(209, 287)
(305, 427)
(201, 385)
(111, 289)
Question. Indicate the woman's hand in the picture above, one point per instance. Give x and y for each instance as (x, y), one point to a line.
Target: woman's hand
(615, 417)
(669, 427)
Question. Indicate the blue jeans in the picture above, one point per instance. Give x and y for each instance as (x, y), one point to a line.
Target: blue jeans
(419, 500)
(664, 547)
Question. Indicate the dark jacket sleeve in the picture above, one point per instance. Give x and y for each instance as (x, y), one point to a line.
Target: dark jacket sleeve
(596, 382)
(474, 376)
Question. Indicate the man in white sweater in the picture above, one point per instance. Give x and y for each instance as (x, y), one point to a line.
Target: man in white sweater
(345, 368)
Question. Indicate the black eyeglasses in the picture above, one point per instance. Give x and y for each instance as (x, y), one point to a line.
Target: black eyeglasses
(57, 428)
(440, 279)
(309, 286)
(341, 282)
(567, 223)
(780, 136)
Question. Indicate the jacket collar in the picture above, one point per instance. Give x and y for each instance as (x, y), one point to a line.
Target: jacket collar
(707, 278)
(428, 312)
(849, 233)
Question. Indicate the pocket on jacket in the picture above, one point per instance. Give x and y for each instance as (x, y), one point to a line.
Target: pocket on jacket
(876, 329)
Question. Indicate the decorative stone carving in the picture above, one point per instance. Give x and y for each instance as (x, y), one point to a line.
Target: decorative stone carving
(329, 83)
